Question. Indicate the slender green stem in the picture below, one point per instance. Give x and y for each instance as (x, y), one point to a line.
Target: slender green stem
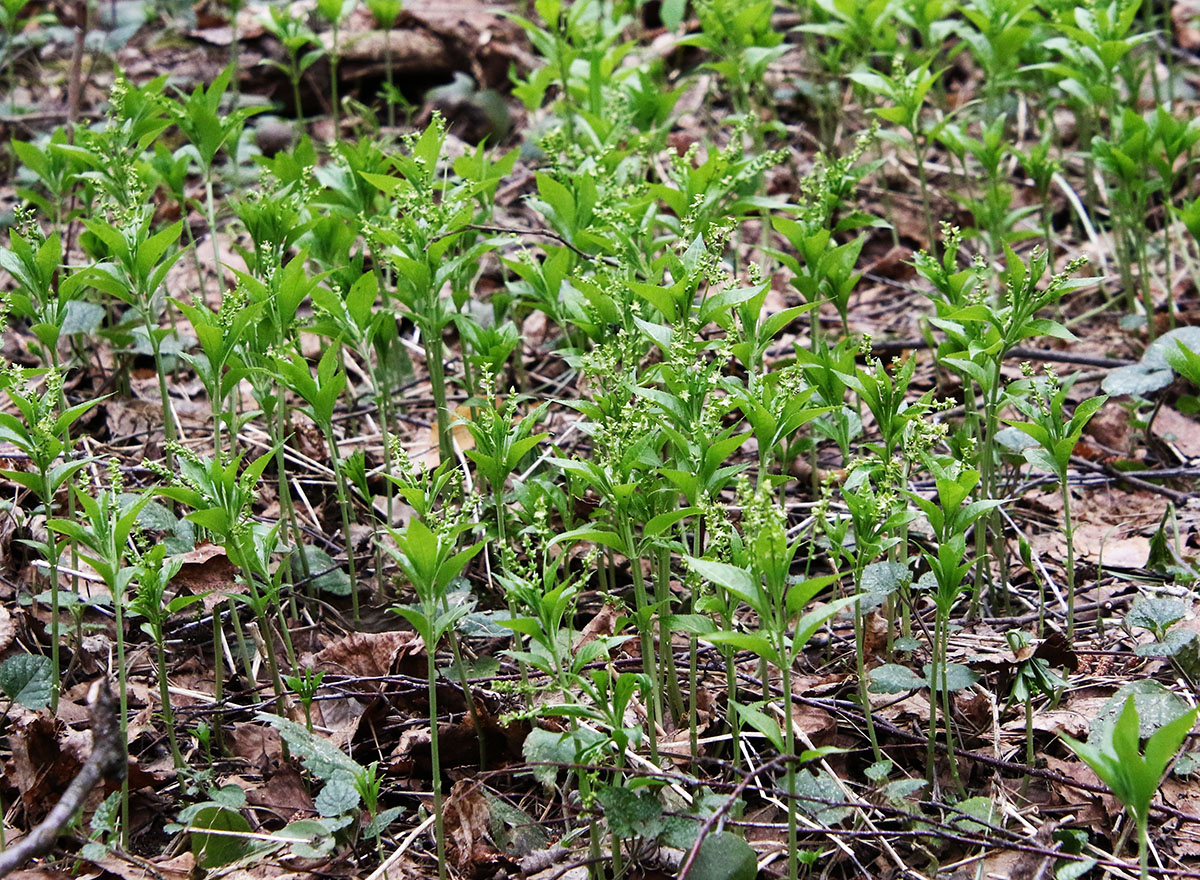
(387, 67)
(333, 80)
(666, 656)
(118, 601)
(210, 204)
(1069, 534)
(645, 633)
(1143, 847)
(943, 651)
(344, 505)
(789, 747)
(164, 693)
(435, 760)
(860, 662)
(437, 379)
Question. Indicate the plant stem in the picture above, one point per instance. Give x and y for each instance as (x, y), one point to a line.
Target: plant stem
(122, 700)
(437, 380)
(1069, 534)
(644, 633)
(344, 505)
(164, 693)
(435, 760)
(212, 223)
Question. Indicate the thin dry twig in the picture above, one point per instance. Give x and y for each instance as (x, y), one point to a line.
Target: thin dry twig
(107, 761)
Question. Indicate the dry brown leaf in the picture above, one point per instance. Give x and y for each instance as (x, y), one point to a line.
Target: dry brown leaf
(256, 743)
(1104, 543)
(179, 868)
(468, 841)
(285, 793)
(8, 629)
(207, 571)
(44, 761)
(1178, 431)
(366, 655)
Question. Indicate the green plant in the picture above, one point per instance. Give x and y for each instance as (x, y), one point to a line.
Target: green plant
(296, 37)
(761, 578)
(429, 247)
(741, 37)
(385, 13)
(54, 169)
(1132, 775)
(1034, 676)
(132, 266)
(979, 336)
(305, 687)
(43, 435)
(579, 42)
(951, 517)
(321, 394)
(430, 561)
(220, 364)
(1056, 437)
(220, 498)
(10, 20)
(209, 128)
(501, 441)
(101, 533)
(53, 305)
(906, 90)
(335, 12)
(150, 601)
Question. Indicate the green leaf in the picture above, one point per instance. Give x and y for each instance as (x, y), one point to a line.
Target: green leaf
(902, 788)
(630, 813)
(543, 749)
(1153, 371)
(1156, 706)
(320, 757)
(1156, 613)
(958, 677)
(754, 642)
(814, 789)
(308, 838)
(980, 808)
(762, 722)
(885, 578)
(26, 679)
(1074, 869)
(892, 678)
(327, 575)
(338, 796)
(724, 856)
(214, 850)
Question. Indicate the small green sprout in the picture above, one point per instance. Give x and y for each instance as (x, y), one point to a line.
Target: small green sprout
(1132, 776)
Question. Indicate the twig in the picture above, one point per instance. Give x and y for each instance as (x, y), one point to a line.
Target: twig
(725, 808)
(107, 761)
(882, 346)
(75, 83)
(1179, 498)
(515, 230)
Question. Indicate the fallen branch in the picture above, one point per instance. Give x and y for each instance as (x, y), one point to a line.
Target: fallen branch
(107, 761)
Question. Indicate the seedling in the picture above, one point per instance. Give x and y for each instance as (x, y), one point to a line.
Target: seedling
(762, 580)
(305, 687)
(1056, 437)
(153, 573)
(296, 37)
(1132, 775)
(43, 434)
(430, 561)
(102, 534)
